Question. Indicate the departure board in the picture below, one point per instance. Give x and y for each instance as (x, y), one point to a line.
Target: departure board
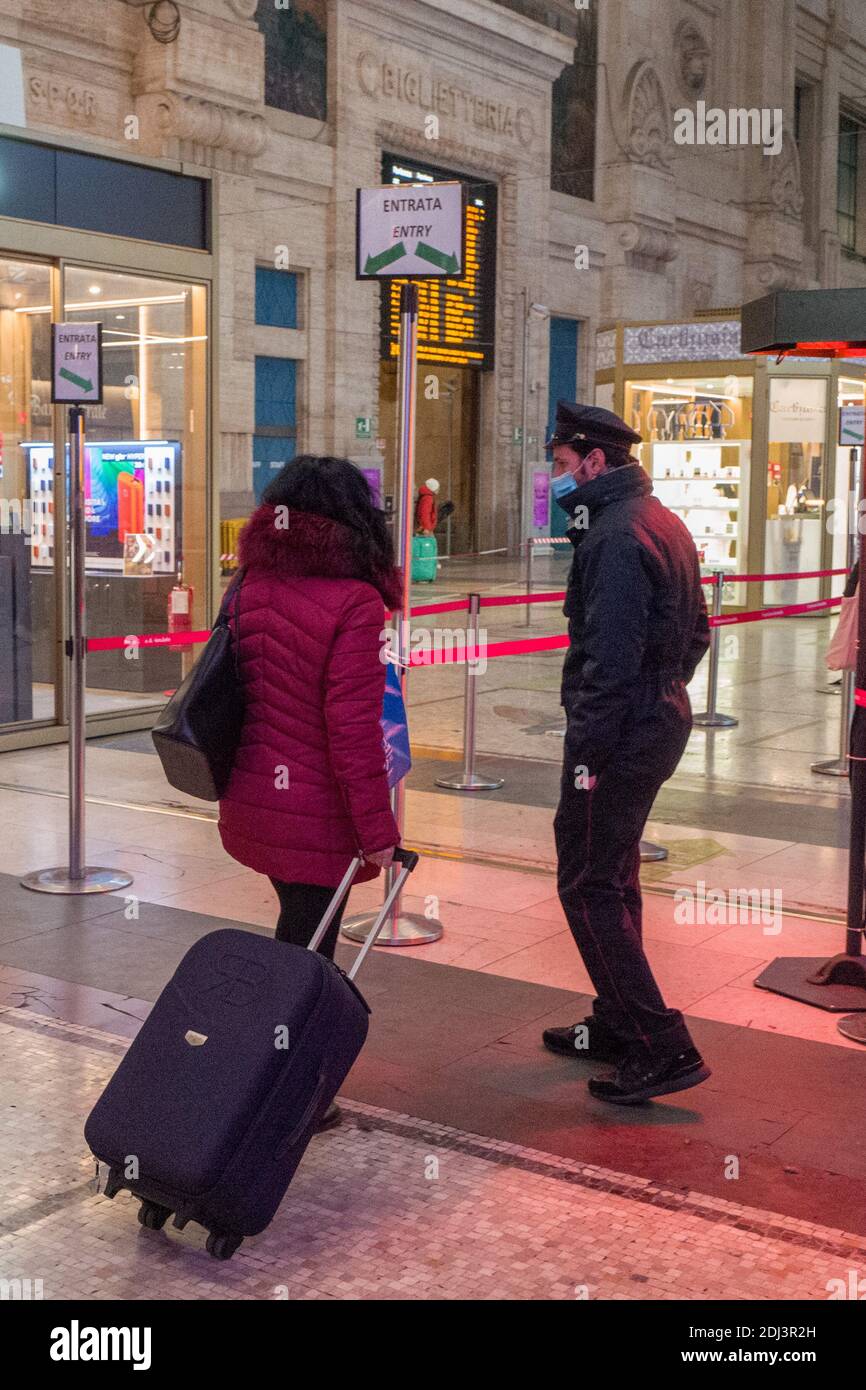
(456, 317)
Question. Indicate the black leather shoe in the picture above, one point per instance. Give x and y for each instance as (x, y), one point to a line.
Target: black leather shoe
(331, 1118)
(593, 1043)
(640, 1077)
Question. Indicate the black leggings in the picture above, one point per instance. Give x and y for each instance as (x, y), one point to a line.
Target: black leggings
(302, 907)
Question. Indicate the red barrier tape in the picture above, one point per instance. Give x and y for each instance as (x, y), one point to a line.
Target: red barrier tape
(146, 639)
(426, 608)
(187, 639)
(757, 578)
(859, 696)
(493, 649)
(501, 601)
(782, 612)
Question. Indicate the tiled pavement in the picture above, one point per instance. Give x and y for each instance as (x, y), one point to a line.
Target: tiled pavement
(386, 1207)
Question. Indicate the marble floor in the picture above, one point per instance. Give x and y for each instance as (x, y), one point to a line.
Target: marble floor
(386, 1207)
(756, 870)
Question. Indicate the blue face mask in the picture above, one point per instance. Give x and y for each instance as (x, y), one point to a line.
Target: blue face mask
(563, 486)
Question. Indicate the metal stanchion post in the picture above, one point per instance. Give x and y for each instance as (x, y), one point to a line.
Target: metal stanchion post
(711, 719)
(404, 928)
(530, 555)
(839, 984)
(469, 781)
(838, 767)
(650, 853)
(76, 877)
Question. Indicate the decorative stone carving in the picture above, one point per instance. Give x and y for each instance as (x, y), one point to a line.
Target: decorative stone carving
(648, 139)
(653, 243)
(772, 276)
(699, 293)
(785, 189)
(692, 54)
(207, 125)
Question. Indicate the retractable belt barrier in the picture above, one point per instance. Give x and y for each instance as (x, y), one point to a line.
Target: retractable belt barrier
(513, 648)
(472, 652)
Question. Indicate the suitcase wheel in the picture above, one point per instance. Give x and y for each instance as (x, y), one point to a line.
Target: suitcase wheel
(153, 1216)
(113, 1183)
(221, 1245)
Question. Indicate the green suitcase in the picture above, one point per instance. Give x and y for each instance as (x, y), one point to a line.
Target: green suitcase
(424, 554)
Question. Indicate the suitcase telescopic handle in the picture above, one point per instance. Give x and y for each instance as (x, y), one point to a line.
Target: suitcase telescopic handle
(408, 858)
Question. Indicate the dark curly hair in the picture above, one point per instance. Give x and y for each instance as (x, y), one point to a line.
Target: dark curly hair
(335, 488)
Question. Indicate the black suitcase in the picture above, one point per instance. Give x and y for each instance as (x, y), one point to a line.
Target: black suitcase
(216, 1099)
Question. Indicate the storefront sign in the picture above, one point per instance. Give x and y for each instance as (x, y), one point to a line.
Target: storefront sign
(411, 230)
(852, 426)
(682, 342)
(798, 410)
(76, 363)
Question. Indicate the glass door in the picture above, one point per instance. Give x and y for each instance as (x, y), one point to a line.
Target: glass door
(28, 607)
(796, 487)
(145, 481)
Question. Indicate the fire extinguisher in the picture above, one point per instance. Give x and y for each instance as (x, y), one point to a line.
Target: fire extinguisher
(180, 602)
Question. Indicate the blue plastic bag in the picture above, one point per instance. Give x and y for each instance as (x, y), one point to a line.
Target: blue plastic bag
(395, 729)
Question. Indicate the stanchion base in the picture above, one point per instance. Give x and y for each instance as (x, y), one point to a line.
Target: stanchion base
(715, 721)
(793, 977)
(833, 767)
(472, 783)
(410, 929)
(93, 881)
(650, 853)
(853, 1028)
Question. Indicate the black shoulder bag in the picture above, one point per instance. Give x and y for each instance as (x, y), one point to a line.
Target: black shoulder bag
(198, 732)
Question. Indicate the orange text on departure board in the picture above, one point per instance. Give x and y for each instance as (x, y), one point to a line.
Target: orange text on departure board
(449, 311)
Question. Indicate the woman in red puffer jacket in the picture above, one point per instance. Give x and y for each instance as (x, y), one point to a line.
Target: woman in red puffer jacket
(309, 789)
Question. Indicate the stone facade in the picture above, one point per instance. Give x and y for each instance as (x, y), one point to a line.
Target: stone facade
(672, 230)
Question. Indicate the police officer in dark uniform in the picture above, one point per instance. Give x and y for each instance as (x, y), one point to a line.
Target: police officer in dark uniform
(638, 628)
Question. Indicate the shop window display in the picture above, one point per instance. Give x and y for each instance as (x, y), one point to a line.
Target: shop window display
(697, 449)
(794, 536)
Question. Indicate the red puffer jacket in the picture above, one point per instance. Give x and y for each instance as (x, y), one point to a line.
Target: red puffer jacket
(308, 786)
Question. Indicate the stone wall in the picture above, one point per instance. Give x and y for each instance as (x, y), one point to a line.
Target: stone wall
(673, 230)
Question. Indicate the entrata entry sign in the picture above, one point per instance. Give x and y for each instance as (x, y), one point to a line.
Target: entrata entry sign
(76, 363)
(411, 230)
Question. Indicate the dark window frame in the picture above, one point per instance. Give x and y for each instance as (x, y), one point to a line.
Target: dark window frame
(850, 138)
(48, 181)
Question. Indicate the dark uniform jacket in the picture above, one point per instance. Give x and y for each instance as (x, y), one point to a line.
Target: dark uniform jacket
(637, 624)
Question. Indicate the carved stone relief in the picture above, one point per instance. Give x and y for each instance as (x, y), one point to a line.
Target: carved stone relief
(648, 138)
(785, 190)
(692, 54)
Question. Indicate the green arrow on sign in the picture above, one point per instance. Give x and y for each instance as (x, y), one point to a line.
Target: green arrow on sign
(429, 253)
(80, 381)
(377, 263)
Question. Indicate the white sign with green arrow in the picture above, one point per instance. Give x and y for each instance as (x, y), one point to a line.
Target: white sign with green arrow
(76, 363)
(410, 229)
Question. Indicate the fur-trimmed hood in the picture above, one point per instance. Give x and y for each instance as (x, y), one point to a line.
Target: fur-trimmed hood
(303, 545)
